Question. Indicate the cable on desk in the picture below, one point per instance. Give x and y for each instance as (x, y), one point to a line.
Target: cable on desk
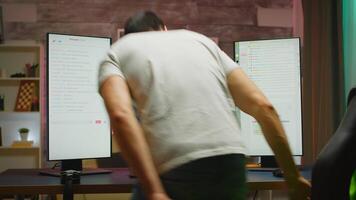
(57, 164)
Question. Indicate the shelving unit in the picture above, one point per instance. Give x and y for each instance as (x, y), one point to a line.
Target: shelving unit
(13, 58)
(26, 157)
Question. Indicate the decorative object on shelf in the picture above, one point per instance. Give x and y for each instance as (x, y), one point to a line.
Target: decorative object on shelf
(23, 142)
(25, 95)
(31, 69)
(18, 75)
(2, 102)
(24, 133)
(35, 105)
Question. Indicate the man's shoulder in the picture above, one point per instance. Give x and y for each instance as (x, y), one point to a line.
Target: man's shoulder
(162, 34)
(137, 40)
(187, 33)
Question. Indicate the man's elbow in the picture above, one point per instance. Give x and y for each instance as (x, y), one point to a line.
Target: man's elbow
(120, 117)
(264, 109)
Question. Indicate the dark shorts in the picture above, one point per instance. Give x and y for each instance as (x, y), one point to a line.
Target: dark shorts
(213, 178)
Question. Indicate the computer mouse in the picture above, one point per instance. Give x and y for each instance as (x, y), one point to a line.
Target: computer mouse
(277, 173)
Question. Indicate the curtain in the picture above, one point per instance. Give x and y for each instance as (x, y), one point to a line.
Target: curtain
(298, 20)
(349, 43)
(323, 82)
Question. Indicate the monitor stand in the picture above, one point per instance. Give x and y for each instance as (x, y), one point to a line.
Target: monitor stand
(268, 162)
(73, 165)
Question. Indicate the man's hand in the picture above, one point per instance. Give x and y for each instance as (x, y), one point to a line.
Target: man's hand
(300, 190)
(158, 196)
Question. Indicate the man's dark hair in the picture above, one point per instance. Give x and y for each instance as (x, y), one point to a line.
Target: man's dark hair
(143, 21)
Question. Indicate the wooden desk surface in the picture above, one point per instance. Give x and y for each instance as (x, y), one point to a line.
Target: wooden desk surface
(264, 180)
(29, 181)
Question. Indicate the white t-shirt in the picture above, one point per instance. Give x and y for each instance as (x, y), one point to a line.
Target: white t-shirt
(178, 81)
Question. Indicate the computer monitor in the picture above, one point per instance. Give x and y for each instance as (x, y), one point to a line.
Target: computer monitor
(77, 122)
(274, 66)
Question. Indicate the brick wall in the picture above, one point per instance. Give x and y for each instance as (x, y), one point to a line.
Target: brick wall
(229, 20)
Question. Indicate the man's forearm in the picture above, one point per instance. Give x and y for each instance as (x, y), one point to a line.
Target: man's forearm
(251, 100)
(130, 138)
(135, 150)
(276, 138)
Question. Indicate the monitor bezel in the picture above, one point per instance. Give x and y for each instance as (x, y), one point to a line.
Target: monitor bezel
(301, 82)
(47, 98)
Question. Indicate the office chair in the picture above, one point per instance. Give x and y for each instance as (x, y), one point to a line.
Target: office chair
(336, 163)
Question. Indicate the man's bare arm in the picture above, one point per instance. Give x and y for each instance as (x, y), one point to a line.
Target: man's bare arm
(252, 101)
(130, 136)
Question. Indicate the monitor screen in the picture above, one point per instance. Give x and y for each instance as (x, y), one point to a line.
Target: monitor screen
(78, 124)
(274, 66)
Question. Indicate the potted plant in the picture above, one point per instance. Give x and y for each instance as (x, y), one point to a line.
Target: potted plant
(24, 133)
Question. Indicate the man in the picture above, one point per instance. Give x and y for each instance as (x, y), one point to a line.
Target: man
(188, 145)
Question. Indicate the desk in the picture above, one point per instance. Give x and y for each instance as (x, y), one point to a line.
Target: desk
(28, 181)
(264, 180)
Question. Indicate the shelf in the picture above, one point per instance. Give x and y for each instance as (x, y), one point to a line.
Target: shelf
(18, 148)
(17, 112)
(20, 48)
(21, 79)
(19, 117)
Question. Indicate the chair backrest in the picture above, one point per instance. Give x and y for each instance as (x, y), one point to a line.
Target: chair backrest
(335, 164)
(352, 94)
